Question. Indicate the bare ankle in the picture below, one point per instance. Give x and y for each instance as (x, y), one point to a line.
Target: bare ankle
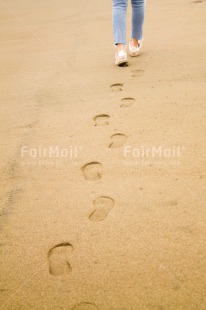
(134, 42)
(120, 47)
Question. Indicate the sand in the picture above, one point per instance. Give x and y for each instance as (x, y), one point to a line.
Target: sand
(101, 224)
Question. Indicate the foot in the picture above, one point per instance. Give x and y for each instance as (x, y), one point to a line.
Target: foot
(134, 47)
(121, 55)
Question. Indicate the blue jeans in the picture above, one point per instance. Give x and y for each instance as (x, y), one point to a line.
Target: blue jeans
(119, 19)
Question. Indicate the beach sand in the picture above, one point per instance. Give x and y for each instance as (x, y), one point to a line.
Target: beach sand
(102, 224)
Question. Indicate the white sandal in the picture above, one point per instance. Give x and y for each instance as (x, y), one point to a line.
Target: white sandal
(121, 58)
(133, 50)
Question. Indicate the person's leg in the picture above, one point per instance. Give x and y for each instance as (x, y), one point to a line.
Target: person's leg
(119, 23)
(138, 12)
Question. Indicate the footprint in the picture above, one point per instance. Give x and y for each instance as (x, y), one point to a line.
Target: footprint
(116, 87)
(85, 306)
(118, 140)
(127, 102)
(57, 256)
(101, 120)
(137, 73)
(92, 171)
(103, 206)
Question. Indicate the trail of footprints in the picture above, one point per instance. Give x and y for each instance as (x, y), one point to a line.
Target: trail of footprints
(59, 255)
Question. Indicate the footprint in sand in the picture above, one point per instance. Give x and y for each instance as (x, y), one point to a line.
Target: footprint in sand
(85, 306)
(118, 140)
(116, 87)
(127, 102)
(103, 206)
(101, 120)
(92, 171)
(137, 73)
(58, 259)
